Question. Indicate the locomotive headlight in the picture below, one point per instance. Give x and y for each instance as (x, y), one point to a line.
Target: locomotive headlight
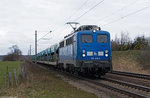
(83, 55)
(94, 31)
(83, 51)
(106, 55)
(106, 51)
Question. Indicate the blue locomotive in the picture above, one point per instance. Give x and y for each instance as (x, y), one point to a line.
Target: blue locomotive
(86, 50)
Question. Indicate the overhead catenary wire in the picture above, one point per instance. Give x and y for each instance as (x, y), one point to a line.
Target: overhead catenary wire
(113, 13)
(89, 10)
(44, 36)
(83, 13)
(40, 39)
(132, 13)
(67, 19)
(83, 4)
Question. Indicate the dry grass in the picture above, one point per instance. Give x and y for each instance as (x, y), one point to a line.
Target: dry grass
(144, 59)
(128, 61)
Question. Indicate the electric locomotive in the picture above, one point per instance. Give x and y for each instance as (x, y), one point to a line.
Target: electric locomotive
(87, 50)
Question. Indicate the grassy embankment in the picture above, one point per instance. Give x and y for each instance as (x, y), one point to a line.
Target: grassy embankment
(6, 67)
(137, 61)
(41, 83)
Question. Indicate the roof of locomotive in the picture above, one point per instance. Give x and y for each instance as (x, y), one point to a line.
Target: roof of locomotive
(88, 27)
(84, 28)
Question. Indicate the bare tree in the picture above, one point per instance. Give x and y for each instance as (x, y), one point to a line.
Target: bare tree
(122, 43)
(15, 54)
(125, 39)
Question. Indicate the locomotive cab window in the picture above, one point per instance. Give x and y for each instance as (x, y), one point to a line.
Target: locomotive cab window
(103, 38)
(61, 44)
(87, 38)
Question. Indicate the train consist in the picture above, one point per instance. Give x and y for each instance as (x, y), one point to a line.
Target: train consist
(86, 50)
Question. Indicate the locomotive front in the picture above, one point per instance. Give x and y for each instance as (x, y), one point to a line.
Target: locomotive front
(94, 51)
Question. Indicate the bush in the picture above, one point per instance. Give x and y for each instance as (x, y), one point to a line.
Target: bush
(124, 43)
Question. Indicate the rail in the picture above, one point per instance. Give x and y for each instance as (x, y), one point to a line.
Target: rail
(140, 87)
(143, 76)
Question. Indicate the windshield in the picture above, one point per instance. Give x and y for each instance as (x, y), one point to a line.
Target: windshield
(102, 38)
(87, 38)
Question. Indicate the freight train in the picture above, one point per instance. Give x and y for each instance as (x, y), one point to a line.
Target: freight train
(87, 50)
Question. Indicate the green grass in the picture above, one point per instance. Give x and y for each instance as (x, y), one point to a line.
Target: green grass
(54, 88)
(41, 83)
(45, 84)
(5, 67)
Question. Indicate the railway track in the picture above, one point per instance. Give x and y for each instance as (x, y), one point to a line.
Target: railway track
(136, 86)
(117, 89)
(104, 84)
(120, 90)
(142, 76)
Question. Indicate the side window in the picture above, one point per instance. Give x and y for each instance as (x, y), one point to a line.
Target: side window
(61, 44)
(69, 41)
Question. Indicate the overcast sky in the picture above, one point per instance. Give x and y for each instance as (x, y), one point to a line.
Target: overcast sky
(20, 18)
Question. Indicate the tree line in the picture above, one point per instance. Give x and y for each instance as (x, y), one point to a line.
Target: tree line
(125, 43)
(15, 54)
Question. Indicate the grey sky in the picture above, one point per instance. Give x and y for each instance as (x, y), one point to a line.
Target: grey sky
(20, 18)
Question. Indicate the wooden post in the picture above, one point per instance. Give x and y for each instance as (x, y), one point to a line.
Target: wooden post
(9, 79)
(7, 76)
(23, 72)
(15, 76)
